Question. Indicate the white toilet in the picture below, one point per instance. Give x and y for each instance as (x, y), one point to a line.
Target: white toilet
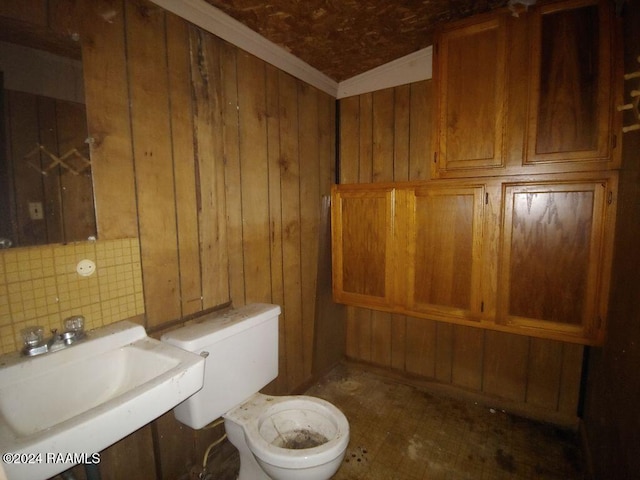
(280, 438)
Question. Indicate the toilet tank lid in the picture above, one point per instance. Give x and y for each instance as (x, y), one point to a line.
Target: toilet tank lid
(217, 326)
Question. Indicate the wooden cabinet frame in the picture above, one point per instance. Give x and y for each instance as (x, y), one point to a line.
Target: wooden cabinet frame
(440, 301)
(464, 103)
(588, 323)
(491, 243)
(514, 122)
(604, 96)
(345, 290)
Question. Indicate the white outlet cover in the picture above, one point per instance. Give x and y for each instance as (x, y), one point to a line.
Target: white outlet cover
(85, 267)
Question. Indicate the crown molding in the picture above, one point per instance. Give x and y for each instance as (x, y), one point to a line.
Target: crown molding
(410, 68)
(215, 21)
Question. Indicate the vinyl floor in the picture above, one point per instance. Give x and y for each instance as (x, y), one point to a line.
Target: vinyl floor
(408, 433)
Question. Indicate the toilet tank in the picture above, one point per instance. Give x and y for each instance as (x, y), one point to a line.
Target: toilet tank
(241, 351)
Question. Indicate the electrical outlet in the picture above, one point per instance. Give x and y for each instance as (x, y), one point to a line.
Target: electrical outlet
(85, 267)
(36, 212)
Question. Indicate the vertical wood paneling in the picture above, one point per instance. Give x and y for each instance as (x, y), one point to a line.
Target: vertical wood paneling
(544, 371)
(275, 216)
(108, 120)
(349, 140)
(398, 123)
(209, 149)
(382, 119)
(131, 457)
(467, 357)
(291, 235)
(309, 213)
(365, 137)
(151, 135)
(421, 346)
(254, 185)
(233, 174)
(505, 365)
(569, 395)
(420, 149)
(178, 68)
(226, 191)
(401, 132)
(444, 352)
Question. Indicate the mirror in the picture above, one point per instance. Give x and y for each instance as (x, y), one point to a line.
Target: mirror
(46, 189)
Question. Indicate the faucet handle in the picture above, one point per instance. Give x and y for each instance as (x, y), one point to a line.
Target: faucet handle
(32, 336)
(74, 324)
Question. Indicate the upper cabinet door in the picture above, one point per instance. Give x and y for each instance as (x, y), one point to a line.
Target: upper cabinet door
(470, 74)
(570, 94)
(362, 226)
(556, 254)
(444, 242)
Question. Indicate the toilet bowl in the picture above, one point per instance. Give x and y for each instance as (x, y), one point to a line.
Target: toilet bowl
(279, 438)
(288, 438)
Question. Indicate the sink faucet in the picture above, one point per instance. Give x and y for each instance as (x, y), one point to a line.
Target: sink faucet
(36, 344)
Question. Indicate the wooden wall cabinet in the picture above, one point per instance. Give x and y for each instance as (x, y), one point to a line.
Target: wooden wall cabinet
(523, 254)
(570, 100)
(470, 75)
(409, 248)
(545, 105)
(443, 250)
(363, 232)
(557, 241)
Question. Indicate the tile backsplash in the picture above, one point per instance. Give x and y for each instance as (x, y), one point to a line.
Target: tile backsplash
(40, 286)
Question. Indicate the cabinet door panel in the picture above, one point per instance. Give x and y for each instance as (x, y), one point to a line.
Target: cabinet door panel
(362, 223)
(471, 86)
(571, 83)
(444, 240)
(553, 250)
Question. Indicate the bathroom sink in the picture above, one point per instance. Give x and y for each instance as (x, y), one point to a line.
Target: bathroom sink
(61, 408)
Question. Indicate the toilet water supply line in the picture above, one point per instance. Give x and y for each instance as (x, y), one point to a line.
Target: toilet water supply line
(214, 424)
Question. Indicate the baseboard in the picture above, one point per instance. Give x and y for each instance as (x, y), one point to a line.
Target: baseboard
(508, 406)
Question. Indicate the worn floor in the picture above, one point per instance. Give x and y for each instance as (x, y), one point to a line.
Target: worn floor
(406, 433)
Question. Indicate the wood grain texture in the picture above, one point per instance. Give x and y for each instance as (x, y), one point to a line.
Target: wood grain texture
(471, 113)
(533, 374)
(230, 169)
(570, 92)
(108, 118)
(151, 141)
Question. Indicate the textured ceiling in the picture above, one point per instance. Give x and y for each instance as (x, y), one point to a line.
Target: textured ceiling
(343, 38)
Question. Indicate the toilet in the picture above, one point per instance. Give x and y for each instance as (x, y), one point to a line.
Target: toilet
(278, 437)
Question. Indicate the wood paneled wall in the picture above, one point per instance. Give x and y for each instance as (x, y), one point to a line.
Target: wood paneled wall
(385, 136)
(217, 160)
(612, 416)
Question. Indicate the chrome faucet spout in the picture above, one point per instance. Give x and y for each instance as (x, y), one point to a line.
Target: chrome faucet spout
(35, 344)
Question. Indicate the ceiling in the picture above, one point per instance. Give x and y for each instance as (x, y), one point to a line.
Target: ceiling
(343, 38)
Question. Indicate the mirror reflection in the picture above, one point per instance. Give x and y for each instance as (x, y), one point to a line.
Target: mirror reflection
(46, 191)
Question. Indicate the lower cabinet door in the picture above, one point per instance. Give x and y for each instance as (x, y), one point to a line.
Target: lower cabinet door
(555, 261)
(443, 253)
(362, 224)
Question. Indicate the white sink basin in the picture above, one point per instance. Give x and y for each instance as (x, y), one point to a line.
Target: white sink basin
(80, 400)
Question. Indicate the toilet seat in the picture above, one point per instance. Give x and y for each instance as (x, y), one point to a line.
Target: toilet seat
(266, 421)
